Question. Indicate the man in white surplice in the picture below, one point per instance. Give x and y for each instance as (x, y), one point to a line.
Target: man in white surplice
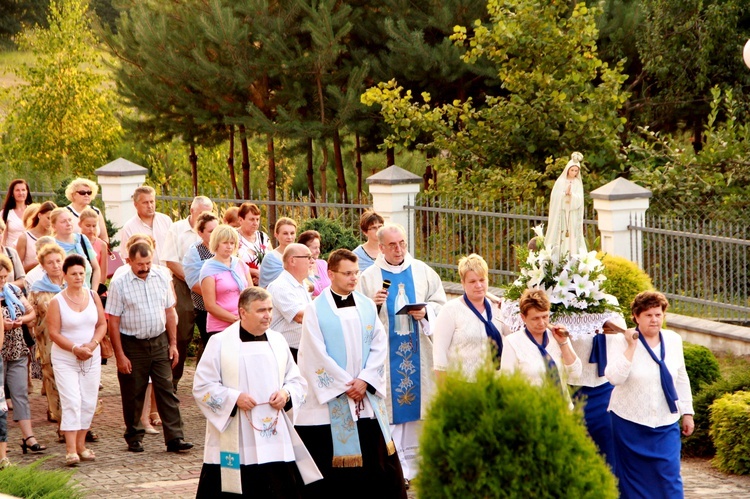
(344, 420)
(243, 384)
(410, 376)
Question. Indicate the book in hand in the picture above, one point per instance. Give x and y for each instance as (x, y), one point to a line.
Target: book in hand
(410, 307)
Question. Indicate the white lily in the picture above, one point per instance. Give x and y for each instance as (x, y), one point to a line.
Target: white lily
(582, 285)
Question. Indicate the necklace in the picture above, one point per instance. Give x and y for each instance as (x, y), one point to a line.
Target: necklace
(82, 366)
(71, 299)
(268, 427)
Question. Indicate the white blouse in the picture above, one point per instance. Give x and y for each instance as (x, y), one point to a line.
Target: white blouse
(638, 396)
(521, 354)
(589, 374)
(459, 338)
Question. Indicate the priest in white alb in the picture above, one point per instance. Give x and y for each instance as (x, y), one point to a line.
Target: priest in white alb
(397, 279)
(344, 420)
(244, 383)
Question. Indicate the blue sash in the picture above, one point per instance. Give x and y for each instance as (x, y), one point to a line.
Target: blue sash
(11, 300)
(403, 354)
(46, 285)
(347, 452)
(599, 354)
(489, 328)
(212, 267)
(551, 365)
(667, 384)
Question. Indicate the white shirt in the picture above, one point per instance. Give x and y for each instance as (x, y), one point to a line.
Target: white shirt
(141, 303)
(459, 337)
(158, 231)
(638, 395)
(521, 354)
(180, 237)
(289, 298)
(34, 275)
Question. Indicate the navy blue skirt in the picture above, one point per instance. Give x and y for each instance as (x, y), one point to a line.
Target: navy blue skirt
(598, 420)
(648, 460)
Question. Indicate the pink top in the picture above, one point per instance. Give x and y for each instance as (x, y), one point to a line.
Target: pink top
(320, 280)
(227, 296)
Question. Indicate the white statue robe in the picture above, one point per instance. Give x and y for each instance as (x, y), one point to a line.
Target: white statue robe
(324, 376)
(564, 232)
(264, 368)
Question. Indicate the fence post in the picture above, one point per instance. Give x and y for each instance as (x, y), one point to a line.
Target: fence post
(118, 180)
(391, 190)
(616, 204)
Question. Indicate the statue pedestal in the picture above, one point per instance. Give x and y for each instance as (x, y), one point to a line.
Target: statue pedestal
(579, 324)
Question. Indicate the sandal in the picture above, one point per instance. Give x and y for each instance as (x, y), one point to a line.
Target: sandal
(91, 436)
(155, 419)
(4, 463)
(72, 459)
(36, 448)
(87, 455)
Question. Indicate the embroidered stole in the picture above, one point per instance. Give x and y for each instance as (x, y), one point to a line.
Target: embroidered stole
(229, 440)
(403, 353)
(347, 452)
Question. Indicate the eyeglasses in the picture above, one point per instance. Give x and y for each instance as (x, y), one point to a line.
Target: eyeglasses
(85, 193)
(309, 257)
(353, 273)
(393, 246)
(375, 227)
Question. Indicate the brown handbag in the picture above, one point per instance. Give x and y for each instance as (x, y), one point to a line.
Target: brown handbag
(106, 346)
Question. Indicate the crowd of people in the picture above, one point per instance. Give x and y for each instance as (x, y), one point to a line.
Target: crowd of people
(314, 374)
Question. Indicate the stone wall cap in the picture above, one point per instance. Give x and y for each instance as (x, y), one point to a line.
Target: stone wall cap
(120, 167)
(394, 175)
(620, 188)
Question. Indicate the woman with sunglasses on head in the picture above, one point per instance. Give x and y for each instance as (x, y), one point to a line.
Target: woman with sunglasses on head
(17, 200)
(81, 192)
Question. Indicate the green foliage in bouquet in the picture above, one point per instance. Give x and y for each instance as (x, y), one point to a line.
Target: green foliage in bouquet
(573, 283)
(730, 431)
(501, 437)
(625, 279)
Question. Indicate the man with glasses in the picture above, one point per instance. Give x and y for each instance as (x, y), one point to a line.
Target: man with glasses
(291, 295)
(408, 281)
(344, 420)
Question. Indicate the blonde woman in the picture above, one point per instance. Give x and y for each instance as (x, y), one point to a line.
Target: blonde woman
(37, 223)
(468, 328)
(222, 279)
(72, 243)
(81, 192)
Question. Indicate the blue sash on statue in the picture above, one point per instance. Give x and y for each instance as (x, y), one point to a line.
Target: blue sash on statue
(404, 354)
(347, 452)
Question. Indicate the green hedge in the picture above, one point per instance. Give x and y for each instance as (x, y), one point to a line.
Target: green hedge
(699, 444)
(625, 279)
(30, 481)
(702, 366)
(730, 432)
(333, 234)
(501, 437)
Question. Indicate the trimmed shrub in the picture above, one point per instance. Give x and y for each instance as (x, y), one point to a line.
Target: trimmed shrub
(730, 432)
(699, 444)
(333, 234)
(625, 279)
(30, 481)
(501, 437)
(702, 366)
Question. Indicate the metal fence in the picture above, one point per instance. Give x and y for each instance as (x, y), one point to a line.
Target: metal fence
(298, 206)
(448, 228)
(701, 266)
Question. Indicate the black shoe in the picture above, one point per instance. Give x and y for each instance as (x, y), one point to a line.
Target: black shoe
(135, 446)
(91, 436)
(178, 445)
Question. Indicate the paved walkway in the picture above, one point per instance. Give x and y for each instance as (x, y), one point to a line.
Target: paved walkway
(118, 473)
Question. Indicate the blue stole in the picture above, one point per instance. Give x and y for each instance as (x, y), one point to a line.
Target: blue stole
(347, 452)
(599, 354)
(551, 365)
(667, 383)
(11, 300)
(404, 354)
(45, 284)
(213, 267)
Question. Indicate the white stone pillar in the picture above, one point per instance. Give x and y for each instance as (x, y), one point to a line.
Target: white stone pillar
(392, 189)
(118, 180)
(618, 204)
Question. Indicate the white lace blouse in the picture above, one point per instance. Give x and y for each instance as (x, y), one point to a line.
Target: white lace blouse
(459, 338)
(521, 354)
(638, 395)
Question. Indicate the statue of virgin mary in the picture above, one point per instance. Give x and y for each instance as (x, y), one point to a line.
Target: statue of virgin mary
(565, 227)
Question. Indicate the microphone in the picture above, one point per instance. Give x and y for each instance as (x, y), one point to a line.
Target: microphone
(386, 284)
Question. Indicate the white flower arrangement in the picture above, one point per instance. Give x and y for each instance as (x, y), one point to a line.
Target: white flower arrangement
(572, 282)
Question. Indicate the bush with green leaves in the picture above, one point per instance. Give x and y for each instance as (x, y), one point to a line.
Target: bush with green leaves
(31, 481)
(702, 366)
(730, 432)
(625, 279)
(699, 444)
(502, 437)
(333, 234)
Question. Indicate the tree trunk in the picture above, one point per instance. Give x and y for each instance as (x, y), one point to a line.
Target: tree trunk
(194, 168)
(324, 165)
(338, 163)
(390, 157)
(230, 163)
(311, 177)
(245, 163)
(358, 168)
(271, 184)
